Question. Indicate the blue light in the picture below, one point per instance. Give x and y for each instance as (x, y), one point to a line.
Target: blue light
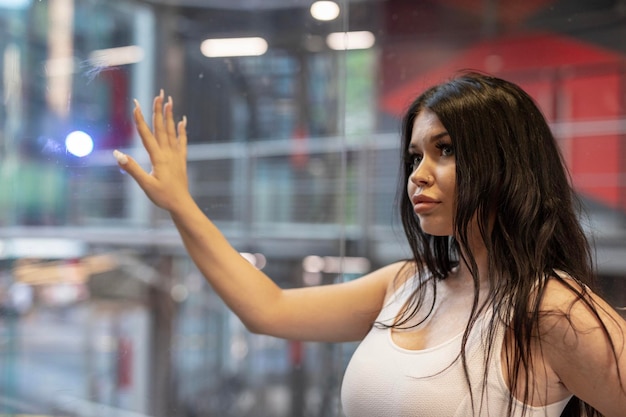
(14, 4)
(79, 143)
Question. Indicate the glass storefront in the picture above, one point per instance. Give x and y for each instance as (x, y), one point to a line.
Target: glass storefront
(293, 153)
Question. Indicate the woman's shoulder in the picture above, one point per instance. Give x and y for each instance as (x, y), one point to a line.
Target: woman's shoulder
(561, 292)
(568, 307)
(583, 340)
(562, 287)
(564, 298)
(406, 279)
(399, 273)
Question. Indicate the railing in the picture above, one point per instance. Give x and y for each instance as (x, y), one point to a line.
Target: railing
(259, 193)
(321, 189)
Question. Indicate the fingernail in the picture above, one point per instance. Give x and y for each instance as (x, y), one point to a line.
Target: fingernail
(120, 157)
(169, 100)
(161, 93)
(137, 103)
(185, 121)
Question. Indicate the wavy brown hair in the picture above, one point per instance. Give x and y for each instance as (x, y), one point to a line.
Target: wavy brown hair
(508, 165)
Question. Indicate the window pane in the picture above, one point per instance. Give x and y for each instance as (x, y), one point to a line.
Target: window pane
(293, 152)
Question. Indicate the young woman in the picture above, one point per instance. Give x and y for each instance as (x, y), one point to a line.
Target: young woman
(493, 316)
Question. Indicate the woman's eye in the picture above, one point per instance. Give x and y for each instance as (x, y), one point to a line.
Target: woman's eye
(415, 161)
(446, 150)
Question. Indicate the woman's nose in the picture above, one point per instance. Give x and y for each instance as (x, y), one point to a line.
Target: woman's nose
(421, 175)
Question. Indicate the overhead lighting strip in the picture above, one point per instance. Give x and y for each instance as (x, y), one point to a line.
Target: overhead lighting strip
(232, 47)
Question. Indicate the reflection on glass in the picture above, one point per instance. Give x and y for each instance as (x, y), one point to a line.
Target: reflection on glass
(293, 153)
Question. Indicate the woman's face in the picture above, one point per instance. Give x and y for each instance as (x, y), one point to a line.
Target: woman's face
(432, 183)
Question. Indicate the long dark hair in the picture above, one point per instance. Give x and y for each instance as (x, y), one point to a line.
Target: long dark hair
(508, 165)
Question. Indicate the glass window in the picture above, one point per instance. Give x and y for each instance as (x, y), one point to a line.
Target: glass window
(294, 135)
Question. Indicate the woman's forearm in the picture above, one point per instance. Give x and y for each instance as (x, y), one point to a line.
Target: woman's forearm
(247, 291)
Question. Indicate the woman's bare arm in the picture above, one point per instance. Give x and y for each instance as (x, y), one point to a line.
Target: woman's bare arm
(339, 312)
(590, 364)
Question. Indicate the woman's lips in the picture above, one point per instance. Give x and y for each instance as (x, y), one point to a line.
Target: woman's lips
(424, 204)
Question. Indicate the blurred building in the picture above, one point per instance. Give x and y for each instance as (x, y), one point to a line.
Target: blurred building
(294, 138)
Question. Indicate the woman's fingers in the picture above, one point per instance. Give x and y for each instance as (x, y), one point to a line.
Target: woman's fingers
(131, 166)
(148, 183)
(147, 138)
(182, 132)
(165, 132)
(166, 144)
(158, 125)
(164, 128)
(170, 126)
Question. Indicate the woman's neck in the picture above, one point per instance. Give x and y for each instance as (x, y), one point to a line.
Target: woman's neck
(479, 255)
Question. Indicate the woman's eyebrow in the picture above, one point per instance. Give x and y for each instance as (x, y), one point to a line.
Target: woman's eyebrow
(413, 146)
(439, 136)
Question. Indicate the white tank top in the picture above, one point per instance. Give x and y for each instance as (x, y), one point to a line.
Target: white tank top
(383, 379)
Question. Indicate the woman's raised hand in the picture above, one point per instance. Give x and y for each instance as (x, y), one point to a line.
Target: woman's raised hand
(166, 185)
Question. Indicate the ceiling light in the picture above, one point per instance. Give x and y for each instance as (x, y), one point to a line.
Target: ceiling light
(79, 143)
(113, 57)
(340, 41)
(226, 47)
(325, 10)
